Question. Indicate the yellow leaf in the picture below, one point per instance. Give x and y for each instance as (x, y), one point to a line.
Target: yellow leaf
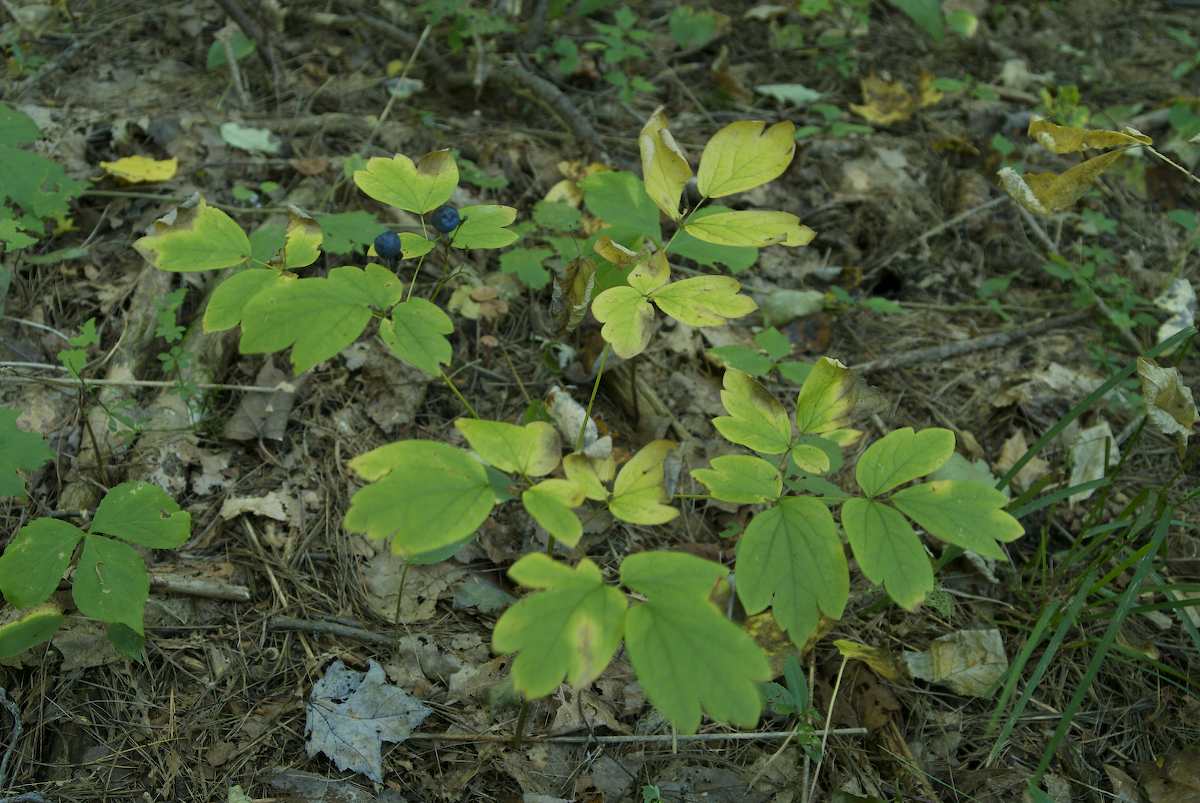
(651, 272)
(612, 251)
(751, 228)
(302, 243)
(1047, 193)
(638, 493)
(744, 155)
(704, 300)
(930, 94)
(884, 102)
(665, 168)
(581, 470)
(627, 317)
(1069, 139)
(418, 188)
(880, 660)
(141, 169)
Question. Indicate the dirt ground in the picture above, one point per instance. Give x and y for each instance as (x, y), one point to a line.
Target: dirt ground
(917, 247)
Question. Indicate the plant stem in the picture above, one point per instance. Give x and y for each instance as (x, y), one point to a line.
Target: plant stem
(587, 416)
(522, 719)
(462, 399)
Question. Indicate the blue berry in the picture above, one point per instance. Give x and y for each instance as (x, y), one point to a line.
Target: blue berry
(445, 219)
(387, 245)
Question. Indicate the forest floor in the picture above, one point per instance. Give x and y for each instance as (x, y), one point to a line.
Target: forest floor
(917, 247)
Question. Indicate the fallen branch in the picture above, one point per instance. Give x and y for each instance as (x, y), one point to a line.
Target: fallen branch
(947, 350)
(654, 738)
(328, 628)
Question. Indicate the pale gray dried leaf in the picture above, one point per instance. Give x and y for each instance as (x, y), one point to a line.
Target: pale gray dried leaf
(482, 594)
(1087, 457)
(1169, 403)
(264, 415)
(351, 714)
(968, 662)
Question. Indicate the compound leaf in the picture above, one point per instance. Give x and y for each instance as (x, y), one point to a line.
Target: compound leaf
(302, 242)
(413, 246)
(228, 301)
(741, 479)
(887, 550)
(550, 503)
(704, 300)
(639, 495)
(650, 271)
(483, 226)
(665, 168)
(426, 495)
(16, 128)
(900, 456)
(19, 451)
(36, 559)
(580, 470)
(736, 258)
(316, 317)
(826, 400)
(345, 232)
(417, 188)
(570, 628)
(688, 657)
(752, 228)
(526, 265)
(144, 514)
(966, 514)
(532, 450)
(111, 583)
(756, 419)
(416, 334)
(194, 237)
(627, 317)
(790, 558)
(744, 155)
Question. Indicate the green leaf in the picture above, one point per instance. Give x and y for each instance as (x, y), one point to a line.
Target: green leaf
(639, 495)
(39, 186)
(345, 232)
(774, 343)
(550, 502)
(16, 128)
(265, 242)
(557, 216)
(688, 657)
(826, 400)
(195, 237)
(11, 234)
(426, 495)
(228, 301)
(483, 226)
(745, 155)
(752, 228)
(532, 450)
(35, 560)
(317, 317)
(691, 28)
(240, 44)
(627, 317)
(418, 188)
(19, 451)
(111, 583)
(741, 479)
(703, 300)
(526, 265)
(144, 514)
(743, 358)
(414, 246)
(570, 628)
(620, 200)
(416, 333)
(887, 550)
(126, 641)
(756, 419)
(791, 558)
(736, 258)
(927, 14)
(21, 630)
(900, 456)
(302, 241)
(965, 514)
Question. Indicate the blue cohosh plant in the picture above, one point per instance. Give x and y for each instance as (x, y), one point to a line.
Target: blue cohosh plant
(427, 498)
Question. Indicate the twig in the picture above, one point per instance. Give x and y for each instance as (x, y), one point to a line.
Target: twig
(263, 46)
(330, 628)
(553, 98)
(225, 37)
(131, 383)
(11, 709)
(198, 587)
(995, 340)
(655, 738)
(837, 684)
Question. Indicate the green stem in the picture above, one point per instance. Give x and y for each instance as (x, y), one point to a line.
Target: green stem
(522, 718)
(592, 399)
(454, 389)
